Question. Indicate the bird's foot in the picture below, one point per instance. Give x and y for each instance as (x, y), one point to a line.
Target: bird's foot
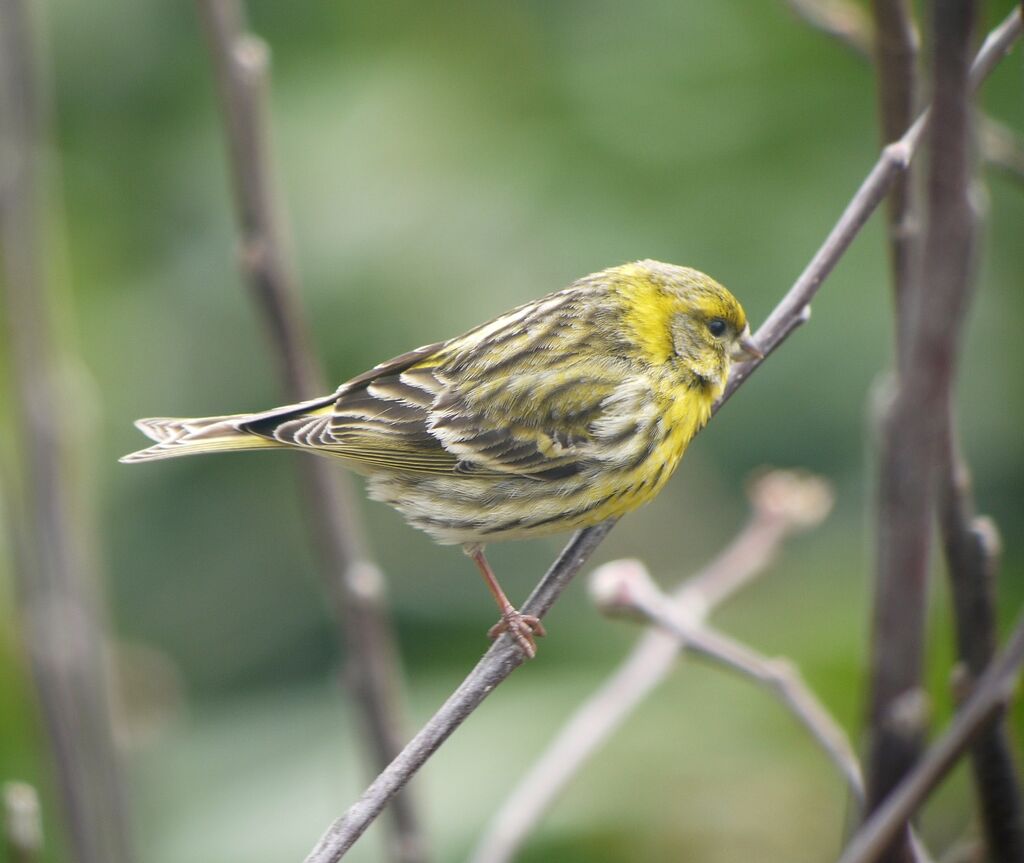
(522, 627)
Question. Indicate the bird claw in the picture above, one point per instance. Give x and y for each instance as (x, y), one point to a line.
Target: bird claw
(522, 627)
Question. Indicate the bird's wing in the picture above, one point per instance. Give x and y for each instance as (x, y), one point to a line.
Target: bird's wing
(527, 394)
(374, 419)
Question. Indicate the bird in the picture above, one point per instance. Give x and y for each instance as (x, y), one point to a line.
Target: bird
(556, 415)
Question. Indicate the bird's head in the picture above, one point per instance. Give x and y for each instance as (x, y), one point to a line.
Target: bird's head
(681, 317)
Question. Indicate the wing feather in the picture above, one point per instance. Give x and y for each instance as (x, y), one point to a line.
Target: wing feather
(527, 394)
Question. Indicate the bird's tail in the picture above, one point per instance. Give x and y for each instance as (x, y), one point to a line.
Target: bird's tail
(177, 437)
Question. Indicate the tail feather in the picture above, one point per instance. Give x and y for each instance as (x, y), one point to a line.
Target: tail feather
(178, 437)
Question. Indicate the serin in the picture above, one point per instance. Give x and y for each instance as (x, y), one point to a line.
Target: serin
(557, 415)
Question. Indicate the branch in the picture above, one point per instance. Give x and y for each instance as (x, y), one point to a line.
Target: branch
(502, 659)
(631, 590)
(971, 545)
(971, 564)
(784, 503)
(896, 48)
(23, 825)
(356, 585)
(498, 663)
(794, 308)
(915, 423)
(989, 699)
(60, 607)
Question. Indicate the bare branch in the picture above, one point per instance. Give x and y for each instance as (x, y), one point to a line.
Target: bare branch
(23, 825)
(784, 503)
(914, 426)
(636, 592)
(60, 607)
(895, 48)
(971, 545)
(498, 663)
(503, 658)
(794, 308)
(355, 582)
(989, 699)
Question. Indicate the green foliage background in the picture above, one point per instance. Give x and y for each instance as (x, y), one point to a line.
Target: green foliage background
(441, 162)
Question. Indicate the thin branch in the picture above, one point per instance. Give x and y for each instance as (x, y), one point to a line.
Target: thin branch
(636, 592)
(503, 658)
(356, 585)
(783, 504)
(794, 308)
(914, 426)
(23, 825)
(497, 664)
(971, 545)
(60, 608)
(986, 703)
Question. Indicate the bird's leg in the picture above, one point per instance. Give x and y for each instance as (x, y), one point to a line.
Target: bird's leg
(522, 627)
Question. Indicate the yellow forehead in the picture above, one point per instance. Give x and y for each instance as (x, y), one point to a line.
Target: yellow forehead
(666, 290)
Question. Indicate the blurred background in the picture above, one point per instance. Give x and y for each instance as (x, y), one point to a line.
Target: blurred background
(442, 162)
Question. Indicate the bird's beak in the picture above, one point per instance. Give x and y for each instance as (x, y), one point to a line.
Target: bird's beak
(746, 348)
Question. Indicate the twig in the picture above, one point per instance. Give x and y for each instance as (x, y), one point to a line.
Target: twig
(633, 591)
(23, 825)
(58, 586)
(793, 309)
(498, 663)
(914, 425)
(971, 545)
(783, 504)
(355, 583)
(986, 703)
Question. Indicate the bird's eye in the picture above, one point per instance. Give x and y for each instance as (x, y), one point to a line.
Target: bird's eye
(716, 326)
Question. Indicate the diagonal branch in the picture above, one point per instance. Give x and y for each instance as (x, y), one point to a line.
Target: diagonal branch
(497, 664)
(636, 592)
(356, 585)
(503, 657)
(783, 503)
(988, 700)
(971, 546)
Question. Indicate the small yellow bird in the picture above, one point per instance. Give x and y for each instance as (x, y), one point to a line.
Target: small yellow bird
(557, 415)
